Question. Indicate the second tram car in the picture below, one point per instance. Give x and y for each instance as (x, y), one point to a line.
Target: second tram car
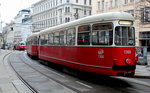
(32, 45)
(103, 44)
(20, 46)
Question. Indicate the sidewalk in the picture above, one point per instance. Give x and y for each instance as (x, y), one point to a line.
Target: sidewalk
(143, 70)
(9, 82)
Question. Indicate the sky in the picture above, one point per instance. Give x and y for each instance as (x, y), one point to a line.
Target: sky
(10, 8)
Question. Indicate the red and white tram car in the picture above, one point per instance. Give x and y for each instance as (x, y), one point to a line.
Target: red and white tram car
(103, 44)
(32, 45)
(20, 46)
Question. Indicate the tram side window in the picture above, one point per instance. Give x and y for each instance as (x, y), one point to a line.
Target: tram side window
(27, 42)
(84, 35)
(71, 36)
(35, 41)
(63, 38)
(46, 39)
(125, 36)
(43, 40)
(56, 38)
(32, 41)
(50, 39)
(102, 34)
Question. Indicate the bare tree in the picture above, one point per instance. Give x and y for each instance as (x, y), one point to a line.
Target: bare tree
(148, 1)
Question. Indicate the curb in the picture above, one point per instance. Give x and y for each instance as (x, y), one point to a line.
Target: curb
(140, 76)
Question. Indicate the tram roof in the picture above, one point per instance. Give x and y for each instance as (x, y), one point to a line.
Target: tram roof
(111, 16)
(34, 34)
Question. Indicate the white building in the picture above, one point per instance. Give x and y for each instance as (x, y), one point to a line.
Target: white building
(22, 27)
(48, 13)
(8, 35)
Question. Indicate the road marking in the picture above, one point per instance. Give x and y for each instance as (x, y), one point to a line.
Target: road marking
(134, 81)
(84, 84)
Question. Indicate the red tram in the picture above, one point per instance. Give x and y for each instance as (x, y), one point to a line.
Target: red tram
(32, 45)
(103, 44)
(20, 46)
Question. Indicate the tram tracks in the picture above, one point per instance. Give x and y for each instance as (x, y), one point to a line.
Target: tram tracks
(20, 78)
(67, 88)
(30, 63)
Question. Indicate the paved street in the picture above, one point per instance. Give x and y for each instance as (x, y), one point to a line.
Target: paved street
(143, 70)
(10, 83)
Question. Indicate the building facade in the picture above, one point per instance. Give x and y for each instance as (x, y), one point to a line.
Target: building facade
(48, 13)
(23, 26)
(140, 9)
(8, 35)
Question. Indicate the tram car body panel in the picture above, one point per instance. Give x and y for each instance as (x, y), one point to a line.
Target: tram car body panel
(32, 50)
(101, 60)
(32, 44)
(20, 46)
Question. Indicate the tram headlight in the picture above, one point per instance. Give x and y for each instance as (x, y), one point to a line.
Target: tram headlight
(128, 61)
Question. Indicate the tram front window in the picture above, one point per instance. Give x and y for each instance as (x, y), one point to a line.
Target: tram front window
(125, 36)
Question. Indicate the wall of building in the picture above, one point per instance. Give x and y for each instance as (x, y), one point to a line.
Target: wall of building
(48, 13)
(8, 35)
(23, 26)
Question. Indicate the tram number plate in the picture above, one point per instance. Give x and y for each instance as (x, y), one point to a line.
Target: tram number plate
(127, 51)
(100, 56)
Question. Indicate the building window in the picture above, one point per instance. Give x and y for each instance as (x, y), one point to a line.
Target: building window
(65, 9)
(131, 0)
(68, 1)
(90, 12)
(111, 3)
(84, 12)
(68, 9)
(76, 1)
(67, 19)
(145, 15)
(89, 2)
(98, 5)
(60, 1)
(125, 1)
(116, 3)
(76, 15)
(102, 4)
(106, 6)
(144, 35)
(85, 2)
